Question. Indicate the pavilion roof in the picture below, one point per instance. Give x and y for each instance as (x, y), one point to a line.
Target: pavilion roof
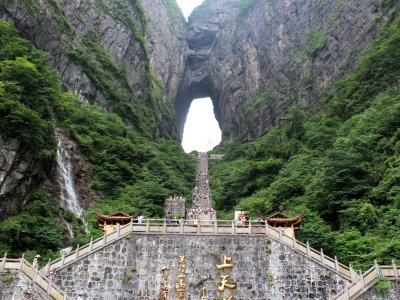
(117, 217)
(281, 220)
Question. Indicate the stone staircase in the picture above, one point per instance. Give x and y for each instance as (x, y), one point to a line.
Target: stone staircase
(358, 283)
(33, 275)
(368, 280)
(159, 226)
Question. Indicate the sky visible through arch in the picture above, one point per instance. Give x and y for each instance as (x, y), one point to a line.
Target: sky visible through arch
(188, 5)
(201, 132)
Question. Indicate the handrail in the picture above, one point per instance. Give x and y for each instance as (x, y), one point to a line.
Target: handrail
(219, 227)
(34, 275)
(367, 280)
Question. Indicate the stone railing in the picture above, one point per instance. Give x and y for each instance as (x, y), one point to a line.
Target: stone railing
(220, 227)
(367, 280)
(34, 275)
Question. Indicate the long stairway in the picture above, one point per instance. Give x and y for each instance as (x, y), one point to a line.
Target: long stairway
(202, 211)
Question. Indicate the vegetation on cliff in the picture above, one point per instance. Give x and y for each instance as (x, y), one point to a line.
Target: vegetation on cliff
(121, 84)
(130, 172)
(340, 167)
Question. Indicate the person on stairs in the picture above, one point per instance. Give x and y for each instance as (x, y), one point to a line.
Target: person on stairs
(140, 218)
(35, 263)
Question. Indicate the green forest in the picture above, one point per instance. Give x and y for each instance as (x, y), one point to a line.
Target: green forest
(340, 167)
(129, 171)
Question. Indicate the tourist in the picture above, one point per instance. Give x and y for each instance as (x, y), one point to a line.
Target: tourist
(140, 218)
(246, 219)
(169, 218)
(35, 263)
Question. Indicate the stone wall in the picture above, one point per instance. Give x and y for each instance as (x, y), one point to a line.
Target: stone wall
(297, 277)
(263, 269)
(176, 206)
(100, 275)
(15, 286)
(376, 293)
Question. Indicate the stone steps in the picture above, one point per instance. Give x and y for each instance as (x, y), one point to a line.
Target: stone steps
(368, 280)
(218, 228)
(35, 276)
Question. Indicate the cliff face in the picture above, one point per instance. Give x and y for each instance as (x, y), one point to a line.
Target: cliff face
(256, 59)
(126, 56)
(19, 175)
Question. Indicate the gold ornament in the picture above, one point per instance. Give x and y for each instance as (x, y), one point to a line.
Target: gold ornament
(225, 279)
(164, 284)
(203, 294)
(181, 284)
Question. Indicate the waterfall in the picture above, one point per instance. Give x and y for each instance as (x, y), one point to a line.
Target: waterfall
(69, 199)
(70, 231)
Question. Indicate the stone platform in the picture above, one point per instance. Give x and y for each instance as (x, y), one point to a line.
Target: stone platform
(130, 268)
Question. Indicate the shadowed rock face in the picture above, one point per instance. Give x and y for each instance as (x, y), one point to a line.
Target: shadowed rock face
(256, 62)
(19, 174)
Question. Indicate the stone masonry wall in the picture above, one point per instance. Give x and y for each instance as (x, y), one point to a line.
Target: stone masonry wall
(297, 277)
(393, 293)
(100, 275)
(263, 269)
(15, 286)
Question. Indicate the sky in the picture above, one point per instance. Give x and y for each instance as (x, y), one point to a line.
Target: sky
(188, 5)
(201, 130)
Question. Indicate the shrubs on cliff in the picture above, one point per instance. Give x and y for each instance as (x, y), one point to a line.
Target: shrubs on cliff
(28, 90)
(37, 228)
(341, 165)
(130, 172)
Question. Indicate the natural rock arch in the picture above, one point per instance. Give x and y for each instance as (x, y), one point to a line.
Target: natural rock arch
(256, 61)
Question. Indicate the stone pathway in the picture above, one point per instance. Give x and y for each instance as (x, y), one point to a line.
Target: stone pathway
(202, 210)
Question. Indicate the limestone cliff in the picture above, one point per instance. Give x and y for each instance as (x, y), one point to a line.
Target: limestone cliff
(20, 173)
(126, 56)
(256, 59)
